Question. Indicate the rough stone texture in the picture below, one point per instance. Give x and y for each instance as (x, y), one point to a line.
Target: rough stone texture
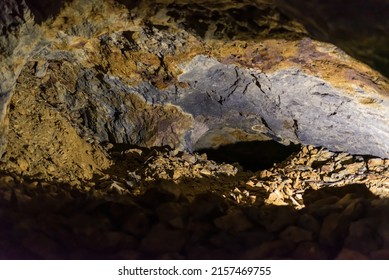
(44, 143)
(161, 203)
(357, 26)
(18, 39)
(287, 105)
(91, 86)
(186, 219)
(191, 76)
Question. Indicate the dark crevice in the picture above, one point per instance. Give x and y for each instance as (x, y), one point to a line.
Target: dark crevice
(130, 4)
(254, 156)
(45, 9)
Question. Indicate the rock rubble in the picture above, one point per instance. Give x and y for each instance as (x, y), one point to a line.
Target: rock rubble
(160, 215)
(102, 104)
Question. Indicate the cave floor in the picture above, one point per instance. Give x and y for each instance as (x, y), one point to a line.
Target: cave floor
(161, 203)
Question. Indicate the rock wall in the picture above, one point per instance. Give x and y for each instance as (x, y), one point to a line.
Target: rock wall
(359, 27)
(191, 76)
(17, 41)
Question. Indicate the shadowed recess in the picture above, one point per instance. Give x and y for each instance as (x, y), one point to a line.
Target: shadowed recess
(358, 27)
(255, 155)
(45, 9)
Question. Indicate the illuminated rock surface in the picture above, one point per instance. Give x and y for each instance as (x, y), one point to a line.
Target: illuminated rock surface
(88, 88)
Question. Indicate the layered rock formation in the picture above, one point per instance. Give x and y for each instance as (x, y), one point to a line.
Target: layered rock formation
(103, 105)
(190, 76)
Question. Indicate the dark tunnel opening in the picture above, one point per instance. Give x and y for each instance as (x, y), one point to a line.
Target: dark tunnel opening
(253, 156)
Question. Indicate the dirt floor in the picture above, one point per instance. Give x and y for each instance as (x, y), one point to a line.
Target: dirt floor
(161, 203)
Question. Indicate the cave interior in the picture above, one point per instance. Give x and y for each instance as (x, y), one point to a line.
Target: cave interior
(162, 129)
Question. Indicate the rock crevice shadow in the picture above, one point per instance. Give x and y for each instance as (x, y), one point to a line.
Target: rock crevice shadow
(253, 156)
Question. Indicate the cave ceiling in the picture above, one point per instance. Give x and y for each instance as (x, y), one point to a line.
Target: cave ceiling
(111, 113)
(193, 75)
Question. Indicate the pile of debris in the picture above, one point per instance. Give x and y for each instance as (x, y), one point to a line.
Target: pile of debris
(166, 204)
(315, 168)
